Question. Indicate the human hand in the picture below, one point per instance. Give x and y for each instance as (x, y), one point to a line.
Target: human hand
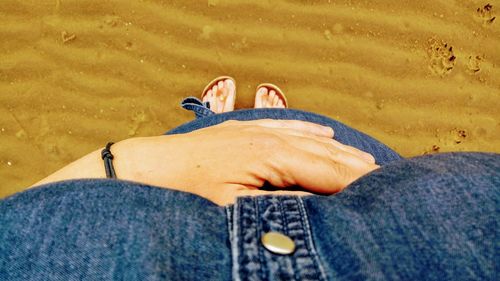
(236, 158)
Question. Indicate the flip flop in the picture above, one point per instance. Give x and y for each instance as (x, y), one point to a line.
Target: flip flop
(215, 82)
(278, 91)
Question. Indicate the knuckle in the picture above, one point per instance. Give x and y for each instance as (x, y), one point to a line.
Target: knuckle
(272, 141)
(344, 176)
(332, 152)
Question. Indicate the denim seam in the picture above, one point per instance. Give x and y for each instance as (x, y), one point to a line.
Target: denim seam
(235, 241)
(201, 112)
(204, 111)
(262, 257)
(229, 220)
(310, 242)
(297, 232)
(196, 109)
(285, 230)
(199, 108)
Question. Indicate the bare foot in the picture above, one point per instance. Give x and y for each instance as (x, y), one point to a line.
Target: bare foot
(221, 96)
(267, 97)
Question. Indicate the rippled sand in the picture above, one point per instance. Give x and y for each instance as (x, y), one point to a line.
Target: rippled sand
(421, 76)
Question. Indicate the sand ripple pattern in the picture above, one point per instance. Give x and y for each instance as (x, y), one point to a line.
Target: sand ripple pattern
(421, 76)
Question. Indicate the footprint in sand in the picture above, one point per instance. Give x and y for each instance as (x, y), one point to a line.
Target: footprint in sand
(441, 57)
(485, 14)
(434, 149)
(459, 135)
(474, 64)
(449, 140)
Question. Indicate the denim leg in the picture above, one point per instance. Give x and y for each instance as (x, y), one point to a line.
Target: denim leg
(343, 133)
(433, 217)
(111, 230)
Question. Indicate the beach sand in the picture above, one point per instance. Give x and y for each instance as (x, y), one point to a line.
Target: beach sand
(421, 76)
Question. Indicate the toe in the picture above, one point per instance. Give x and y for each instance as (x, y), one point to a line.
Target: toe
(266, 99)
(262, 92)
(276, 99)
(229, 84)
(230, 94)
(281, 104)
(260, 97)
(221, 100)
(212, 101)
(207, 95)
(221, 93)
(272, 94)
(270, 99)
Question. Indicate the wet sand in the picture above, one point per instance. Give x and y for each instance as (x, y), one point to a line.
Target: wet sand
(421, 76)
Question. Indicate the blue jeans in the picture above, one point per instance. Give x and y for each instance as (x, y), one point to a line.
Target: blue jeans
(428, 218)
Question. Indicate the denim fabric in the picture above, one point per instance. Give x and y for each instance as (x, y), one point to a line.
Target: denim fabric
(427, 218)
(253, 217)
(199, 108)
(112, 230)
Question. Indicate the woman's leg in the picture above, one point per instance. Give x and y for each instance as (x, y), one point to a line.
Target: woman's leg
(343, 133)
(433, 217)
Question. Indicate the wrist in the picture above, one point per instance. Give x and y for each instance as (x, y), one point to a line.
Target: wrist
(149, 160)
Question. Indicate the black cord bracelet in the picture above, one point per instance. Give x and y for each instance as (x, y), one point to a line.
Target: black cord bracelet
(107, 156)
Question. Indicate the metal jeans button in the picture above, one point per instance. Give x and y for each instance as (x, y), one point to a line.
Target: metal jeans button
(278, 243)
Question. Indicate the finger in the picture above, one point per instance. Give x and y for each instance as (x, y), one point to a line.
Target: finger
(328, 141)
(330, 149)
(304, 129)
(365, 155)
(298, 125)
(353, 150)
(319, 174)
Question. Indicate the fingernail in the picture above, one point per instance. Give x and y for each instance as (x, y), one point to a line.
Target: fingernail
(369, 158)
(328, 130)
